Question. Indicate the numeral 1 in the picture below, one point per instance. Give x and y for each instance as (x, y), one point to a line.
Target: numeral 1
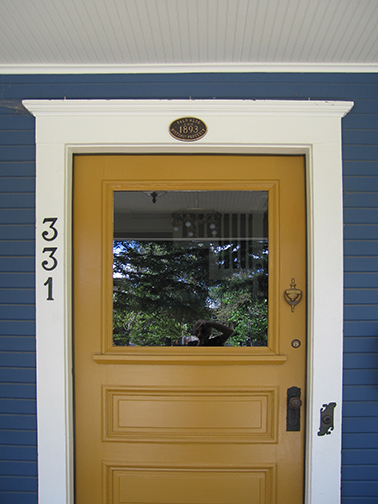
(49, 285)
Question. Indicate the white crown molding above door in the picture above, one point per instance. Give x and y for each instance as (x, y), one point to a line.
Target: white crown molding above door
(65, 127)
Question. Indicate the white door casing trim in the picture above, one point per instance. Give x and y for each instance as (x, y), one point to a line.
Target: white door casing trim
(66, 127)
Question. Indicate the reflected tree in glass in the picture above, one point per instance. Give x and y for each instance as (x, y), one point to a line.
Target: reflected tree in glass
(162, 287)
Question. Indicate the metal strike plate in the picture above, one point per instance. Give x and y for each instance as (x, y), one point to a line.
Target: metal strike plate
(293, 408)
(326, 418)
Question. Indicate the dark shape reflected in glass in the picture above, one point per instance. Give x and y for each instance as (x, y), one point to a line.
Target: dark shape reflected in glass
(190, 257)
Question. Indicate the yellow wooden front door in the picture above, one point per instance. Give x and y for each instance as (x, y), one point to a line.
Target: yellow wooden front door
(188, 425)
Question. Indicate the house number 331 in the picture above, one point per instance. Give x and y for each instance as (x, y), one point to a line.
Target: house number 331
(50, 262)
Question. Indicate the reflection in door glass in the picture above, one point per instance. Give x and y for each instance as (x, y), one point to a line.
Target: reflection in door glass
(190, 268)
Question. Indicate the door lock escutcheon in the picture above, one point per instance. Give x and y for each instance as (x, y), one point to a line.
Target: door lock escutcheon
(293, 415)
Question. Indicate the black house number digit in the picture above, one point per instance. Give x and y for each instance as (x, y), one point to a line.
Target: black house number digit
(45, 264)
(54, 232)
(49, 285)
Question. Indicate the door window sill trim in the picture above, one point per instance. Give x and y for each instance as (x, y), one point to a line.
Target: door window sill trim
(158, 356)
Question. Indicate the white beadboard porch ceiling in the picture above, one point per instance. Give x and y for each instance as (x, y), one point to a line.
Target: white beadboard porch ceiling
(187, 35)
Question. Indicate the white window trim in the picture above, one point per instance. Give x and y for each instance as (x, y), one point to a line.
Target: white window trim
(65, 127)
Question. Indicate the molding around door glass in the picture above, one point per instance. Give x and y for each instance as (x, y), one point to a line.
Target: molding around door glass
(65, 127)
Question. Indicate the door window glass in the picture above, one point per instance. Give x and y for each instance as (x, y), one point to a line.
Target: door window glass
(190, 268)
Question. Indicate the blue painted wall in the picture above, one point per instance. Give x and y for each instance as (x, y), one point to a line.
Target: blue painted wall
(18, 454)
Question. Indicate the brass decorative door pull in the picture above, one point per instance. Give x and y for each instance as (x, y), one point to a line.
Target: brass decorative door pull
(293, 296)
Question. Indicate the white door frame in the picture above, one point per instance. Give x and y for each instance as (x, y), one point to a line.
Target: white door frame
(65, 127)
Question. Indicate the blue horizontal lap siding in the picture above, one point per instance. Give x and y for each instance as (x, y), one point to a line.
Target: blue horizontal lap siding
(360, 409)
(18, 430)
(17, 181)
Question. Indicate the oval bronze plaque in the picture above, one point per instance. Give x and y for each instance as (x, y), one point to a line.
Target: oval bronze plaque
(188, 129)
